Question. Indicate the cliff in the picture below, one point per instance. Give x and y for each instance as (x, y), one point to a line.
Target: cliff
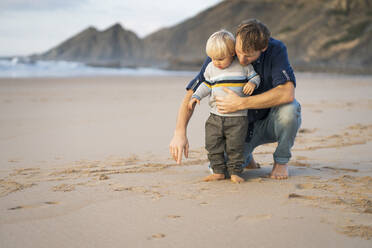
(324, 35)
(114, 46)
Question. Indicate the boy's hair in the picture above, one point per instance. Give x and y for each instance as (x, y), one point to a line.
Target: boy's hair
(220, 44)
(253, 34)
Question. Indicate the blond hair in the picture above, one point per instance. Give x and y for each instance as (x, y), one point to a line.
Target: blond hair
(220, 45)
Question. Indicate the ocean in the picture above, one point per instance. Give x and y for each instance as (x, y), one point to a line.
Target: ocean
(20, 68)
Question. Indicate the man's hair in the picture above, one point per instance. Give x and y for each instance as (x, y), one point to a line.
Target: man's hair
(253, 34)
(220, 45)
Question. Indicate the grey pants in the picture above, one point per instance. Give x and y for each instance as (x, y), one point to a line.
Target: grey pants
(226, 134)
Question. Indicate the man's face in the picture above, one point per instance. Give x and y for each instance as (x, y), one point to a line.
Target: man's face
(245, 58)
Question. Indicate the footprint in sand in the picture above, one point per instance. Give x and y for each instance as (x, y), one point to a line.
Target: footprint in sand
(34, 205)
(7, 187)
(25, 172)
(299, 164)
(157, 236)
(322, 186)
(103, 177)
(362, 231)
(305, 186)
(340, 169)
(317, 111)
(64, 187)
(298, 196)
(306, 130)
(14, 160)
(301, 158)
(171, 216)
(259, 217)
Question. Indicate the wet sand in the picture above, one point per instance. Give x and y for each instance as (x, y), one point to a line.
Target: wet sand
(84, 163)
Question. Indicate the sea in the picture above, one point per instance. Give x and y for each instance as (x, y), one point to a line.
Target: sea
(24, 68)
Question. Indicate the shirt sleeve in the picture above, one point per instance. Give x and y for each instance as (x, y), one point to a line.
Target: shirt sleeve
(252, 76)
(282, 71)
(194, 84)
(202, 91)
(205, 87)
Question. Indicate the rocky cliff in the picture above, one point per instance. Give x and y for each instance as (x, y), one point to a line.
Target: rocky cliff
(325, 35)
(114, 46)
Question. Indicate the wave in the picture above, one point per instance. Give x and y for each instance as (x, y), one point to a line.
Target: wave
(25, 68)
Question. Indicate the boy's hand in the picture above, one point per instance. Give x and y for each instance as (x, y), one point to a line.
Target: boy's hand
(249, 88)
(192, 102)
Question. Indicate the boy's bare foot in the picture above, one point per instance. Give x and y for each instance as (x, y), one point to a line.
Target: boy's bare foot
(253, 165)
(280, 171)
(214, 177)
(236, 179)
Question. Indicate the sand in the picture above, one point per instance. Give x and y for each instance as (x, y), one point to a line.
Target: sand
(85, 163)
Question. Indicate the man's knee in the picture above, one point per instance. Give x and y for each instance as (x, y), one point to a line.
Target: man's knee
(289, 114)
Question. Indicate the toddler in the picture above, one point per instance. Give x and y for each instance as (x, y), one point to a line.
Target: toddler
(225, 132)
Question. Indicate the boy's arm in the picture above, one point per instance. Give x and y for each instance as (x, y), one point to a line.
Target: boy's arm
(205, 88)
(195, 83)
(203, 91)
(252, 76)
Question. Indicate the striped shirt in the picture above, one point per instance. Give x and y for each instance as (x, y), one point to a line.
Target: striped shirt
(233, 77)
(273, 67)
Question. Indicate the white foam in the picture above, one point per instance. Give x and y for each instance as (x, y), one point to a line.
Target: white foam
(20, 68)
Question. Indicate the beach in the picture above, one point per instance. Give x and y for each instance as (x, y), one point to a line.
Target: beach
(85, 163)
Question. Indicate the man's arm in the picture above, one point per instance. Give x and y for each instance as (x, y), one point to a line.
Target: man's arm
(179, 142)
(281, 94)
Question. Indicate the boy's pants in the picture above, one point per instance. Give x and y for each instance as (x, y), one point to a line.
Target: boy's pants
(226, 134)
(281, 125)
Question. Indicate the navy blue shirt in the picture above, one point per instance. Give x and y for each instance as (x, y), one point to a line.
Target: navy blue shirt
(273, 67)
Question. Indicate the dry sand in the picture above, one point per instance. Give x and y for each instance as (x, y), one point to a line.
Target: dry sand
(84, 163)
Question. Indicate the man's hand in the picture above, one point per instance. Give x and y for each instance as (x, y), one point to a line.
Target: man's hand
(229, 103)
(179, 144)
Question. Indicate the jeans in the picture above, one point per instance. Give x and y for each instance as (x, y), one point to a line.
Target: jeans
(281, 125)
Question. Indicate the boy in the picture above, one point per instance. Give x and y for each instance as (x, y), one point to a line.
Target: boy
(225, 131)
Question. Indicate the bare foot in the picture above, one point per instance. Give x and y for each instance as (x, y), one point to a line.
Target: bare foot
(236, 179)
(214, 177)
(280, 171)
(253, 165)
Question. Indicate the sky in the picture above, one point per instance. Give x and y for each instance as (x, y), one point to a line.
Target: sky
(35, 26)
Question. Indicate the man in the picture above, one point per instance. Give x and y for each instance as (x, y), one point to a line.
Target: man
(273, 113)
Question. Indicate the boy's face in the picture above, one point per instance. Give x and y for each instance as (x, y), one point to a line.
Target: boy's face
(222, 63)
(245, 58)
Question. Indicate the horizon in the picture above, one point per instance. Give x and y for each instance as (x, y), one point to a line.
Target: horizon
(22, 38)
